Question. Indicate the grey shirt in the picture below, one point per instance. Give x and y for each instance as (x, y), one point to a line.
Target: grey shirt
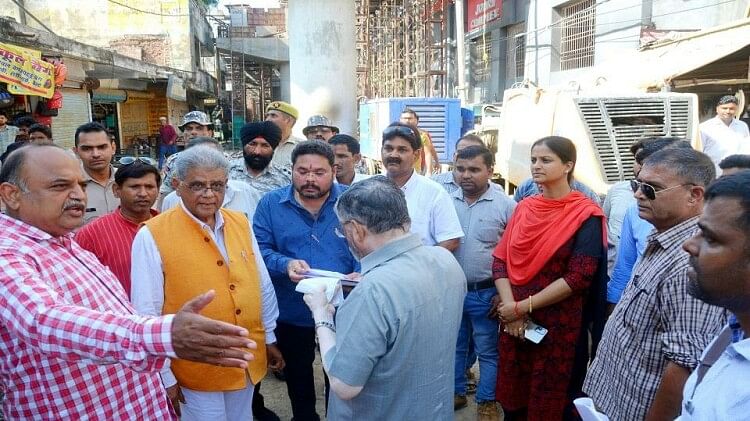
(7, 136)
(483, 223)
(446, 181)
(396, 335)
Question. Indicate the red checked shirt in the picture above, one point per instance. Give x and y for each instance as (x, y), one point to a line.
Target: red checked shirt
(71, 345)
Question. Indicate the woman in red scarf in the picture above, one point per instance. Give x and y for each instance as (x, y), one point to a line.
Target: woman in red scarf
(545, 265)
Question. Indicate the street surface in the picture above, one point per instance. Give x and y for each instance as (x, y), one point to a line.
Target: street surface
(274, 392)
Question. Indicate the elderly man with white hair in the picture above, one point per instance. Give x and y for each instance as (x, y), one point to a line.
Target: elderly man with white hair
(197, 246)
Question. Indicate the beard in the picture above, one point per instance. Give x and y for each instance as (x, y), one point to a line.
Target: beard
(257, 162)
(316, 194)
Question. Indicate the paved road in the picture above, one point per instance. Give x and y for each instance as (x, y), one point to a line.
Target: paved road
(274, 392)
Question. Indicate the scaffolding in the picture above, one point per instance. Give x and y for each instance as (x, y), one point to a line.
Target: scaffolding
(401, 48)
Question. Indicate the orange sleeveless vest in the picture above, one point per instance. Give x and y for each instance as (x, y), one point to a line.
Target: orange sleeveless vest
(193, 265)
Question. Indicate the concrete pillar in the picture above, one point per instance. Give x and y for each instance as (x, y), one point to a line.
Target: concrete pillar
(284, 80)
(322, 60)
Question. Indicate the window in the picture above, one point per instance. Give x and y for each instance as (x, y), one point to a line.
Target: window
(516, 52)
(577, 39)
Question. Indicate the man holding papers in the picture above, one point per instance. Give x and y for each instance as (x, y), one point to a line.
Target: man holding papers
(392, 345)
(296, 229)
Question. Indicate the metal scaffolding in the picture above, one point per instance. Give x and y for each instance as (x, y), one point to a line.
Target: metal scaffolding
(401, 48)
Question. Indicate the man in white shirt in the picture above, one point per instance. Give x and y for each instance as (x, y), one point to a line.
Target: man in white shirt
(719, 389)
(431, 209)
(223, 256)
(346, 155)
(724, 135)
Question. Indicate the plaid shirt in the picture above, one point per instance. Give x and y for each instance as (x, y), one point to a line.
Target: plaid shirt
(71, 346)
(655, 322)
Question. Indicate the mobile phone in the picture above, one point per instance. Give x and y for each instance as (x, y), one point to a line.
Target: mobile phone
(534, 332)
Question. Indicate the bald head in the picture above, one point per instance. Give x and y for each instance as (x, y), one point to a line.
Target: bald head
(43, 186)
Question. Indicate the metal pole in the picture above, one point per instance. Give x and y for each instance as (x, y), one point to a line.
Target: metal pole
(460, 53)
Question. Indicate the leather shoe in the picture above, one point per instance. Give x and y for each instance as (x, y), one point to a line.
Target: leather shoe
(265, 414)
(459, 402)
(489, 411)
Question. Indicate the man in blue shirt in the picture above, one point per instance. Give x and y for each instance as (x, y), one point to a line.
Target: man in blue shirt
(296, 230)
(633, 240)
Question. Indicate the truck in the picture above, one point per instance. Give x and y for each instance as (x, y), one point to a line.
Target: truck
(603, 126)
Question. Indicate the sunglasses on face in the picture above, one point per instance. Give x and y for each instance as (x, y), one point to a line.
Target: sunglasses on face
(402, 131)
(650, 191)
(127, 160)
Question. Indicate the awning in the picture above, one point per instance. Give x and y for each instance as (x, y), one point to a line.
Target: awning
(714, 55)
(109, 95)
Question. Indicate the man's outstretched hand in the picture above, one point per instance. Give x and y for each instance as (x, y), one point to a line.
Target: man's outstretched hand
(198, 338)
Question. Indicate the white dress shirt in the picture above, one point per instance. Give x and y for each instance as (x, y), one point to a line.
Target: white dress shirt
(720, 140)
(147, 289)
(431, 210)
(722, 392)
(239, 197)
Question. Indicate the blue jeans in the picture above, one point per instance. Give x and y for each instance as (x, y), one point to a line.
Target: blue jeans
(475, 322)
(165, 151)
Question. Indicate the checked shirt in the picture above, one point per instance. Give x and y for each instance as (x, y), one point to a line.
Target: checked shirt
(655, 322)
(71, 346)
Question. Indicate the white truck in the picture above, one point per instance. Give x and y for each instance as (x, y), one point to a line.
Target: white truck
(603, 126)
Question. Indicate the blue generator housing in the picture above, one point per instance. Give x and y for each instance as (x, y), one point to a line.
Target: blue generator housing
(441, 117)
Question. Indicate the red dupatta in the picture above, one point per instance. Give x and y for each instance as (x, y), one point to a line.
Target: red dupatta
(538, 228)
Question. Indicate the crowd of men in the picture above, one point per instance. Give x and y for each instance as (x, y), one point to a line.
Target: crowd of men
(134, 291)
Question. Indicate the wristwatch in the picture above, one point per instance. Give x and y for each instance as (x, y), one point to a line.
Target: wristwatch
(325, 323)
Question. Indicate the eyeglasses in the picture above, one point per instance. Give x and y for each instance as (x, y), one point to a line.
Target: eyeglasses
(650, 191)
(403, 131)
(127, 160)
(201, 188)
(339, 230)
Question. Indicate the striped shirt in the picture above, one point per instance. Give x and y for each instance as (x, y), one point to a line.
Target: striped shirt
(655, 322)
(110, 239)
(71, 345)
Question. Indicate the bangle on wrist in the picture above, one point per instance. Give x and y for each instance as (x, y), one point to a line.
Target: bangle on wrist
(327, 324)
(531, 305)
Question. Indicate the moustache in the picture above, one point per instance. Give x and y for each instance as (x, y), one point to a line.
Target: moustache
(392, 161)
(311, 186)
(74, 205)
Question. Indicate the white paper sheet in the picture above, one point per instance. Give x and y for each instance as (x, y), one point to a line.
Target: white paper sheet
(333, 291)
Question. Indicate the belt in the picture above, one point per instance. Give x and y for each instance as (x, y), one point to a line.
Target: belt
(476, 286)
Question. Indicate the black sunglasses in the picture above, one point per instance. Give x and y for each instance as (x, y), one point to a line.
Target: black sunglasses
(127, 160)
(403, 131)
(650, 191)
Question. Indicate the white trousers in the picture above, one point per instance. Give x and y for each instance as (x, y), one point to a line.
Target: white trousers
(236, 405)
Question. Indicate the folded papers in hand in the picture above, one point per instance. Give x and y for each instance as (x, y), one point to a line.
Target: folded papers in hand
(331, 285)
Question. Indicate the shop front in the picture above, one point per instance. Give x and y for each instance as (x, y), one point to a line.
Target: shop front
(104, 110)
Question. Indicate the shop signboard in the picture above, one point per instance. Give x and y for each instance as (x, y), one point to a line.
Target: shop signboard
(482, 12)
(25, 72)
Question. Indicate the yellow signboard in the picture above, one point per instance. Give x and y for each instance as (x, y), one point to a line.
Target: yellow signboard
(25, 72)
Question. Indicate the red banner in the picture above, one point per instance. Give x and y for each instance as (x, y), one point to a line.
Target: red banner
(482, 12)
